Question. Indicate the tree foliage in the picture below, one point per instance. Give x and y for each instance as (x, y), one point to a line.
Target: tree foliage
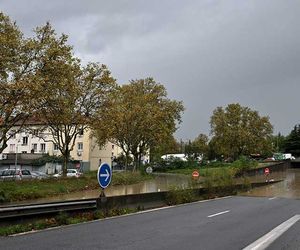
(278, 143)
(238, 130)
(168, 146)
(69, 95)
(41, 78)
(292, 143)
(198, 147)
(138, 116)
(17, 67)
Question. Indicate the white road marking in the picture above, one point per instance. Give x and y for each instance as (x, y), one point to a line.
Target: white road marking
(267, 239)
(213, 215)
(120, 216)
(272, 198)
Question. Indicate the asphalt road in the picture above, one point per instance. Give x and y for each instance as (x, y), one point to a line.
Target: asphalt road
(229, 223)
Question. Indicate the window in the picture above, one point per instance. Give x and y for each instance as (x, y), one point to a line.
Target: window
(34, 147)
(80, 132)
(55, 147)
(112, 146)
(35, 132)
(25, 141)
(12, 148)
(12, 134)
(25, 172)
(24, 152)
(43, 147)
(80, 146)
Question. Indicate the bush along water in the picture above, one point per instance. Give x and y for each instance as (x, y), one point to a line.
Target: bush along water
(180, 195)
(221, 182)
(243, 164)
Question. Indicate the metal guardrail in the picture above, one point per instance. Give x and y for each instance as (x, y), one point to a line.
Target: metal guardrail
(14, 211)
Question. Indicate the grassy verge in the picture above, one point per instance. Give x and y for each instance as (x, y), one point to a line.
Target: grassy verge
(26, 190)
(237, 167)
(62, 219)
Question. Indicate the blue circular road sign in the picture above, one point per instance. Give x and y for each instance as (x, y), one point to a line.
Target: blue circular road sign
(104, 175)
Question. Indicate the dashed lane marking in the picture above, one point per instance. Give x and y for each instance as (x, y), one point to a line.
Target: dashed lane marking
(213, 215)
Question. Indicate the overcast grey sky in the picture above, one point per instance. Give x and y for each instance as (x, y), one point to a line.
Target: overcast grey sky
(207, 53)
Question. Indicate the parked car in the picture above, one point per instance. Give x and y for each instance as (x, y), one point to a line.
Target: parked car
(15, 174)
(39, 175)
(70, 173)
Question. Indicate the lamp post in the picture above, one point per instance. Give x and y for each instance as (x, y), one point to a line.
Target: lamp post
(16, 160)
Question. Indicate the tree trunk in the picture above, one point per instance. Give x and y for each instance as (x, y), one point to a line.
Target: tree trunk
(136, 159)
(66, 161)
(126, 160)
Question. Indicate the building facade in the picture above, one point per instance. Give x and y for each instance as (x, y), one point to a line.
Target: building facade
(85, 151)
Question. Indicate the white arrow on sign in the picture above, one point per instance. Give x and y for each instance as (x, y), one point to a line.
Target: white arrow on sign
(105, 175)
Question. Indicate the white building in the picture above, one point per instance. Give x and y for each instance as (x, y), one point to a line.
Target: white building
(86, 150)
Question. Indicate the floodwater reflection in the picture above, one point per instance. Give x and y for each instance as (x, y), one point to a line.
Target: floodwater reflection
(288, 188)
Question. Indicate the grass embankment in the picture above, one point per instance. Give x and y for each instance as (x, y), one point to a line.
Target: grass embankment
(27, 190)
(215, 168)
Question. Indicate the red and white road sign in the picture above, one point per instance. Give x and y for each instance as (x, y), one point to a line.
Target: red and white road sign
(195, 174)
(267, 171)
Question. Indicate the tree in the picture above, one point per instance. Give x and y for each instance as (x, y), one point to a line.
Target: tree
(40, 78)
(278, 143)
(138, 116)
(198, 147)
(292, 144)
(168, 146)
(68, 95)
(238, 130)
(17, 66)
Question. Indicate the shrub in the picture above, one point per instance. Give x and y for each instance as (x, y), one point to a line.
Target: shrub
(62, 218)
(180, 195)
(219, 182)
(243, 164)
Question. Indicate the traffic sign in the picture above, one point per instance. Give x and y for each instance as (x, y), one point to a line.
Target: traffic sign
(104, 175)
(267, 171)
(195, 174)
(149, 170)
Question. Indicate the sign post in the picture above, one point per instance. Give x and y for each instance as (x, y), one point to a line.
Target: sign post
(267, 173)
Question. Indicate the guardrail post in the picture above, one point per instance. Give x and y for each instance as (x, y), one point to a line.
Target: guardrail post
(102, 200)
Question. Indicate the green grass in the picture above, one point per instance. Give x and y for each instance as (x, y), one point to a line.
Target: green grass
(239, 166)
(11, 191)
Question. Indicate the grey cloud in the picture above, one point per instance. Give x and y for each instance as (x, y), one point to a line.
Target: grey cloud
(207, 53)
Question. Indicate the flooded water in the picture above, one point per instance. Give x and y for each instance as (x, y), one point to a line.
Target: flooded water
(288, 188)
(161, 182)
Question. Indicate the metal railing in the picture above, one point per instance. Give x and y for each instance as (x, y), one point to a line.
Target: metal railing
(15, 211)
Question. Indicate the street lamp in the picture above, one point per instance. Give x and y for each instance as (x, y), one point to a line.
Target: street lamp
(16, 160)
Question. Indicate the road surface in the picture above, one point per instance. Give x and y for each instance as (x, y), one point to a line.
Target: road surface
(227, 223)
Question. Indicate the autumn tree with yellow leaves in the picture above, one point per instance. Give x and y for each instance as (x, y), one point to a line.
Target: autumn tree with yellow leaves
(40, 77)
(238, 130)
(17, 73)
(138, 116)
